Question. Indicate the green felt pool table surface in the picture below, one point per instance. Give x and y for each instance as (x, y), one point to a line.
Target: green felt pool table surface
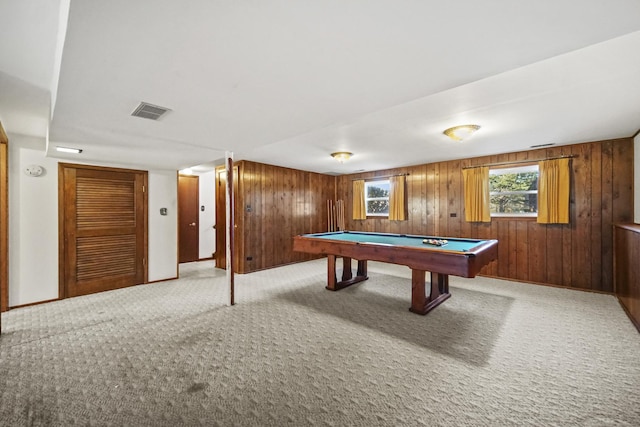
(453, 244)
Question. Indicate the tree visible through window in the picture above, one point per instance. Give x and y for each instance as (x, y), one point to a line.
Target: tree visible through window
(514, 191)
(376, 197)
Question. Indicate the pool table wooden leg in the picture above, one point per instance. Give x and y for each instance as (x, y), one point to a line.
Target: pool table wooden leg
(420, 302)
(362, 268)
(347, 274)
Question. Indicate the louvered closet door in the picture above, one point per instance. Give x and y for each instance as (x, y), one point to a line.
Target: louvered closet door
(104, 229)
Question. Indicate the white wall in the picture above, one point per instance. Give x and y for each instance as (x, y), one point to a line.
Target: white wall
(163, 230)
(33, 224)
(207, 237)
(636, 180)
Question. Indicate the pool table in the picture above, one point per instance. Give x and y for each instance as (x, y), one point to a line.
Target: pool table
(459, 257)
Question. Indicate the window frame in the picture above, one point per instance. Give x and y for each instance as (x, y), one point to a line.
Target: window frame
(514, 168)
(369, 182)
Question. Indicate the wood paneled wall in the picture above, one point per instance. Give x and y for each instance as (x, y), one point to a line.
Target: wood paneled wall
(627, 269)
(577, 255)
(273, 205)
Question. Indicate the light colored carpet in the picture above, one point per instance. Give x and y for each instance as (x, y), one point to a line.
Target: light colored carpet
(292, 353)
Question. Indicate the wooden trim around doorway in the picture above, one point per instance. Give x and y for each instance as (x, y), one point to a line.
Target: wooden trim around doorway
(116, 232)
(4, 220)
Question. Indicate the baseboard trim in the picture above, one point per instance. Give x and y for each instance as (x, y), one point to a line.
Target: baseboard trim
(162, 280)
(633, 320)
(32, 304)
(551, 285)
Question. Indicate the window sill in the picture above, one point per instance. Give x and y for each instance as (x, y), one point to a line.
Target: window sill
(514, 217)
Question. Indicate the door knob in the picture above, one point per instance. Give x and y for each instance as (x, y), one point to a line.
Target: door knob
(193, 224)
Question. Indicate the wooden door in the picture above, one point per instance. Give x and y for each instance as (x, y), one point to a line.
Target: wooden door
(221, 219)
(188, 218)
(103, 228)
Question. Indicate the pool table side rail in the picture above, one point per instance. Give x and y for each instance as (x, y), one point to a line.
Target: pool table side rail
(464, 264)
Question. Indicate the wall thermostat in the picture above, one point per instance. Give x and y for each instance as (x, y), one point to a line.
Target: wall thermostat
(33, 170)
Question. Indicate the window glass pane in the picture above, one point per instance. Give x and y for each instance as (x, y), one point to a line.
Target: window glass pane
(377, 207)
(514, 203)
(513, 181)
(378, 189)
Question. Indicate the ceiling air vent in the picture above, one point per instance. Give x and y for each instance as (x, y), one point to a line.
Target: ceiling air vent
(543, 145)
(149, 111)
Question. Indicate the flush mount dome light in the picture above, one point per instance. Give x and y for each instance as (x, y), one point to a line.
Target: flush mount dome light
(459, 133)
(341, 156)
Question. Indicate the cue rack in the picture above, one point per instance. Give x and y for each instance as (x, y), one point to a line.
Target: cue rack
(335, 215)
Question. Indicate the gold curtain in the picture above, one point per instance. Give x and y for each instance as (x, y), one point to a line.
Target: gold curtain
(553, 191)
(476, 194)
(359, 210)
(396, 198)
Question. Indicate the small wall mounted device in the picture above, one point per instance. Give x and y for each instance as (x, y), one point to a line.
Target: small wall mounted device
(33, 170)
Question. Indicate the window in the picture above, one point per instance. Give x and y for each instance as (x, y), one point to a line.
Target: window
(376, 197)
(514, 191)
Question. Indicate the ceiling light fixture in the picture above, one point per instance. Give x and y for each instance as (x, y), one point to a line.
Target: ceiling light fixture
(69, 150)
(341, 156)
(458, 133)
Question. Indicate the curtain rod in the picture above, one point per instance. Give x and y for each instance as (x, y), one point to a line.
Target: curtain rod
(379, 177)
(515, 162)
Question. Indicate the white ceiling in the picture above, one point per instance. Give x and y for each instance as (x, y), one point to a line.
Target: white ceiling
(288, 82)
